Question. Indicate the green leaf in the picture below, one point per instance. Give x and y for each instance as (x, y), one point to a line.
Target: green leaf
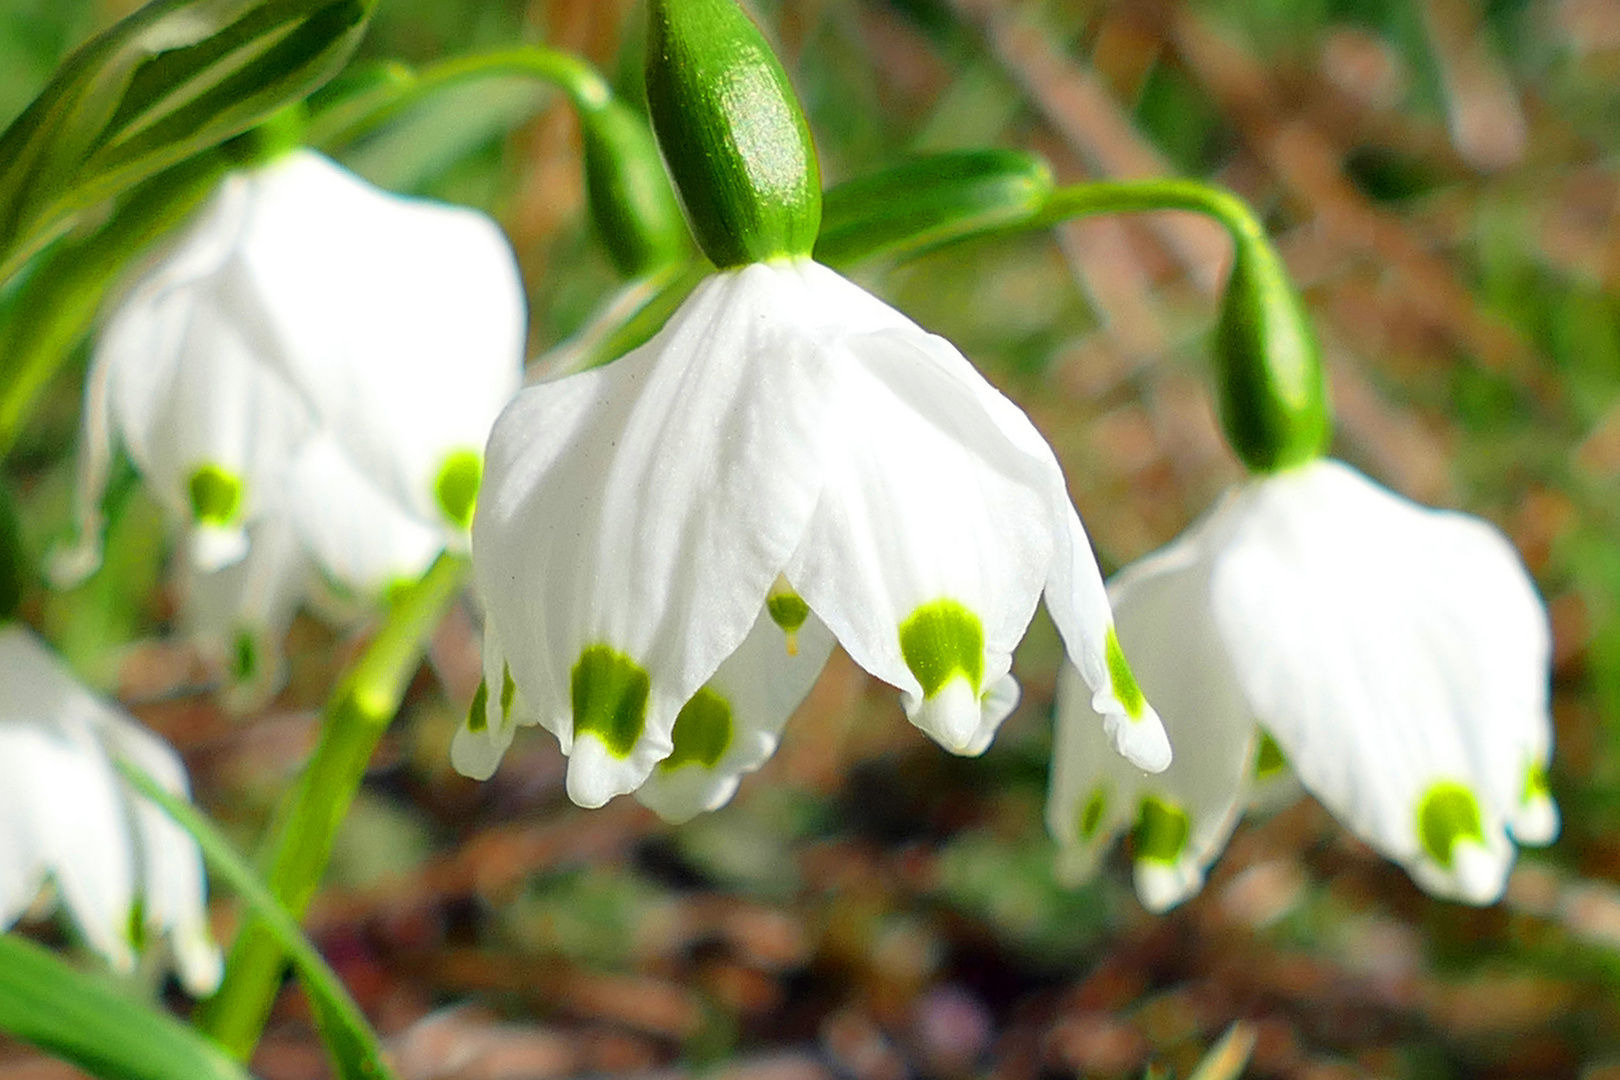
(82, 1019)
(350, 1041)
(173, 79)
(49, 308)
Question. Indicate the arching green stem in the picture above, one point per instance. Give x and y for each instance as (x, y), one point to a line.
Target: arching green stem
(1272, 393)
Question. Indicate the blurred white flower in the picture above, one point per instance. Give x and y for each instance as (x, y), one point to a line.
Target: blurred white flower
(1398, 656)
(123, 870)
(314, 352)
(669, 545)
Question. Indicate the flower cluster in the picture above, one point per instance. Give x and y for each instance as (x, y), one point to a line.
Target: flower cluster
(307, 378)
(120, 867)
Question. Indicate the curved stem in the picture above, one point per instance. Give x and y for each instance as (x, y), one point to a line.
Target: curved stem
(1128, 196)
(582, 83)
(295, 857)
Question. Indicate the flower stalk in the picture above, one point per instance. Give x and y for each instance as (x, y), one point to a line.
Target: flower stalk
(353, 721)
(631, 202)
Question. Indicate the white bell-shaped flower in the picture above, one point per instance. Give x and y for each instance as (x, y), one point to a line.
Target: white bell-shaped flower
(316, 350)
(1397, 655)
(123, 870)
(789, 461)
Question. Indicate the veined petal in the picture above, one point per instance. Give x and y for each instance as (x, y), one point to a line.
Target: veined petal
(732, 725)
(358, 535)
(1382, 664)
(1183, 815)
(402, 321)
(933, 534)
(633, 517)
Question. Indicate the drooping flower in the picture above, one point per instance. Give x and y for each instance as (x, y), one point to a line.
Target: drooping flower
(123, 870)
(668, 546)
(1397, 655)
(316, 352)
(788, 448)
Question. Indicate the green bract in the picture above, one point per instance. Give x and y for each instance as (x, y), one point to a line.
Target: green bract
(175, 78)
(930, 201)
(732, 133)
(1273, 400)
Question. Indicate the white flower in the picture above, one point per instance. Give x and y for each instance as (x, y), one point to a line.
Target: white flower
(1398, 656)
(119, 865)
(788, 456)
(314, 350)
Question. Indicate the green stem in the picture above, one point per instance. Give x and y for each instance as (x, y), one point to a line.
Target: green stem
(1270, 388)
(573, 76)
(1129, 196)
(355, 717)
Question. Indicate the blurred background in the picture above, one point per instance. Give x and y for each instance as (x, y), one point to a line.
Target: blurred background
(1441, 176)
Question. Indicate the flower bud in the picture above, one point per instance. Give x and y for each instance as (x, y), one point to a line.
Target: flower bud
(732, 133)
(931, 201)
(1273, 398)
(631, 202)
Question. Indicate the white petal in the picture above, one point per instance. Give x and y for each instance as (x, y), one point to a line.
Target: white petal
(642, 510)
(403, 321)
(189, 391)
(936, 505)
(761, 684)
(1395, 659)
(358, 535)
(71, 815)
(172, 887)
(486, 733)
(1164, 622)
(238, 616)
(1079, 607)
(66, 792)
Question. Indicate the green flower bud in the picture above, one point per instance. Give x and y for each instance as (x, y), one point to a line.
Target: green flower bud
(631, 201)
(931, 201)
(1273, 398)
(732, 133)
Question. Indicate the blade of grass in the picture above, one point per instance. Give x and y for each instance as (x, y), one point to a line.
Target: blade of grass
(349, 1039)
(84, 1020)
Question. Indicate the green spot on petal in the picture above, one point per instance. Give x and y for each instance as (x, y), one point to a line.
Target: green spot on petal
(788, 610)
(135, 931)
(1448, 813)
(216, 495)
(702, 732)
(1162, 829)
(457, 486)
(609, 693)
(1091, 814)
(1269, 759)
(244, 657)
(478, 715)
(941, 641)
(1124, 682)
(1535, 785)
(508, 691)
